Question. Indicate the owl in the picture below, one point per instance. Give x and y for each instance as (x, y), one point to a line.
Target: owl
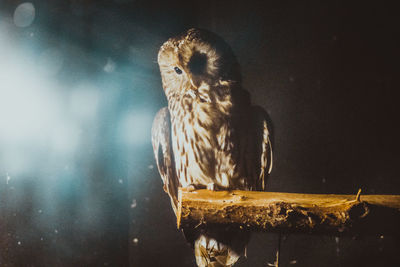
(209, 136)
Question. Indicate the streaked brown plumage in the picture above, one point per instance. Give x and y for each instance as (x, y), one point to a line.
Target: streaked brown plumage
(209, 136)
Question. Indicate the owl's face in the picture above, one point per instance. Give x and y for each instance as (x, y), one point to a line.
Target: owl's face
(194, 60)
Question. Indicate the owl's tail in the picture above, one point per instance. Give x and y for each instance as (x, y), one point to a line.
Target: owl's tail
(217, 247)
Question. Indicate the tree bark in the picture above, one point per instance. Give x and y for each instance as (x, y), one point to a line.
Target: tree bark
(291, 212)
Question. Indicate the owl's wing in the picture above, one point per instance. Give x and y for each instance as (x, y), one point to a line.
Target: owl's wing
(266, 160)
(266, 155)
(162, 147)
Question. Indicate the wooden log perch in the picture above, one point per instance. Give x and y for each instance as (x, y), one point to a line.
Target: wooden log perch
(290, 212)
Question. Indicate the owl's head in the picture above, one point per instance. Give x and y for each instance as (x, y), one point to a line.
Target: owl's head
(194, 58)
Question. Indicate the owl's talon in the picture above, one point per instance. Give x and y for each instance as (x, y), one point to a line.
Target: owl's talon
(211, 186)
(190, 188)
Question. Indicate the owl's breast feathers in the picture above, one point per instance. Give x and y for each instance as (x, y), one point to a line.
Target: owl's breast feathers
(217, 142)
(202, 139)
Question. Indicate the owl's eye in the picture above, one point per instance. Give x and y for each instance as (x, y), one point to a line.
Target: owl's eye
(178, 70)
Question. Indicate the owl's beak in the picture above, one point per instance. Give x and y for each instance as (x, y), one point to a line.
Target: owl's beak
(192, 91)
(193, 87)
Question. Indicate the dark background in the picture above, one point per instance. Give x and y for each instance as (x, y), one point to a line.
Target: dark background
(325, 71)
